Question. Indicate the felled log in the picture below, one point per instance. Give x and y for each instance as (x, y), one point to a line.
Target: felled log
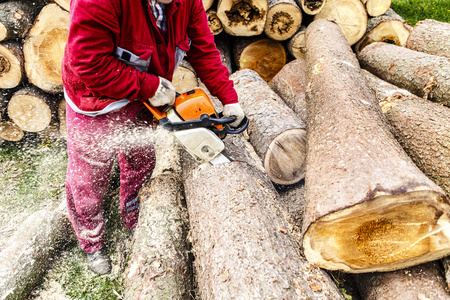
(262, 55)
(184, 77)
(159, 264)
(389, 28)
(422, 127)
(420, 282)
(312, 7)
(31, 109)
(284, 18)
(11, 65)
(369, 208)
(296, 44)
(65, 4)
(242, 18)
(10, 131)
(62, 118)
(290, 85)
(376, 8)
(275, 131)
(31, 249)
(239, 235)
(422, 74)
(43, 48)
(350, 15)
(16, 18)
(430, 36)
(215, 25)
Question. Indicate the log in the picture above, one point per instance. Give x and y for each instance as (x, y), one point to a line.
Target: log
(242, 17)
(275, 131)
(350, 15)
(262, 55)
(422, 74)
(369, 208)
(389, 28)
(11, 65)
(215, 25)
(159, 266)
(290, 85)
(62, 118)
(31, 109)
(31, 249)
(223, 45)
(420, 282)
(421, 127)
(239, 235)
(16, 18)
(65, 4)
(446, 264)
(430, 36)
(312, 7)
(184, 77)
(284, 18)
(207, 4)
(296, 45)
(376, 8)
(43, 48)
(10, 131)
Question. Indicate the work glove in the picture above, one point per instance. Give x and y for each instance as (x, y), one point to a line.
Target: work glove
(164, 95)
(235, 110)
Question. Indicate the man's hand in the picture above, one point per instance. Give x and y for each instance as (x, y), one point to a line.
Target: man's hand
(164, 95)
(235, 110)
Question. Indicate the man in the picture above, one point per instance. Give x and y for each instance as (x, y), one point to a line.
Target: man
(119, 54)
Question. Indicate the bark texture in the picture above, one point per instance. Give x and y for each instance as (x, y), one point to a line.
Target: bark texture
(275, 131)
(422, 74)
(369, 207)
(16, 18)
(376, 8)
(430, 36)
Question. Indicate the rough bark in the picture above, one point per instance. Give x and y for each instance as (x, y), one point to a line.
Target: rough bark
(11, 65)
(446, 264)
(44, 48)
(241, 242)
(422, 74)
(262, 55)
(215, 25)
(159, 265)
(430, 36)
(290, 85)
(296, 45)
(376, 8)
(422, 127)
(31, 109)
(416, 283)
(370, 208)
(242, 17)
(312, 7)
(184, 77)
(389, 28)
(275, 131)
(350, 15)
(284, 18)
(10, 131)
(30, 250)
(16, 18)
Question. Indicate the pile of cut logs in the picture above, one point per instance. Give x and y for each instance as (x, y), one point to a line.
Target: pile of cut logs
(372, 147)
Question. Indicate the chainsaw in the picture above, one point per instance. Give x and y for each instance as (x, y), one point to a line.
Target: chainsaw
(197, 126)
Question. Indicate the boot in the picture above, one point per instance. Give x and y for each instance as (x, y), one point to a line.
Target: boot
(99, 262)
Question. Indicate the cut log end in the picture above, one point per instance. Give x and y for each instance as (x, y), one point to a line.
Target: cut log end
(11, 67)
(387, 233)
(3, 32)
(283, 21)
(29, 112)
(215, 25)
(285, 157)
(377, 7)
(312, 7)
(243, 17)
(10, 131)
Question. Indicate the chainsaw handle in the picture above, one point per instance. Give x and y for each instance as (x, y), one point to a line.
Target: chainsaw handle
(240, 128)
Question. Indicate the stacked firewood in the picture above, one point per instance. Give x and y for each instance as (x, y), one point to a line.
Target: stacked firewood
(371, 146)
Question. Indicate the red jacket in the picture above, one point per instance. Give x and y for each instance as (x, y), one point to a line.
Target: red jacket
(115, 53)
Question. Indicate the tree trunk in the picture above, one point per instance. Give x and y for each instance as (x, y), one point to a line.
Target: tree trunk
(242, 17)
(312, 7)
(296, 45)
(422, 127)
(422, 74)
(30, 250)
(31, 109)
(369, 207)
(430, 36)
(43, 48)
(376, 8)
(277, 134)
(223, 45)
(262, 55)
(290, 85)
(184, 78)
(350, 15)
(389, 28)
(11, 65)
(159, 264)
(65, 4)
(416, 283)
(215, 25)
(10, 131)
(239, 234)
(284, 18)
(16, 18)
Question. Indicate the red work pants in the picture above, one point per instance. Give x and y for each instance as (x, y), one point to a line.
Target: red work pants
(93, 144)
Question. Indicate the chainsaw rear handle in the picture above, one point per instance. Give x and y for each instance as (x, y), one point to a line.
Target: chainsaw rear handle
(234, 130)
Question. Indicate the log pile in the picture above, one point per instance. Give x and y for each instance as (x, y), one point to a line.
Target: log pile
(371, 146)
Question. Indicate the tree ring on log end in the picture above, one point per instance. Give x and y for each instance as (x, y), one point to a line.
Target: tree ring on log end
(283, 21)
(30, 113)
(285, 158)
(385, 233)
(243, 12)
(10, 69)
(5, 66)
(10, 131)
(215, 25)
(312, 7)
(242, 17)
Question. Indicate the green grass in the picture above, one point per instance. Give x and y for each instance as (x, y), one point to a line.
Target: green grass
(413, 11)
